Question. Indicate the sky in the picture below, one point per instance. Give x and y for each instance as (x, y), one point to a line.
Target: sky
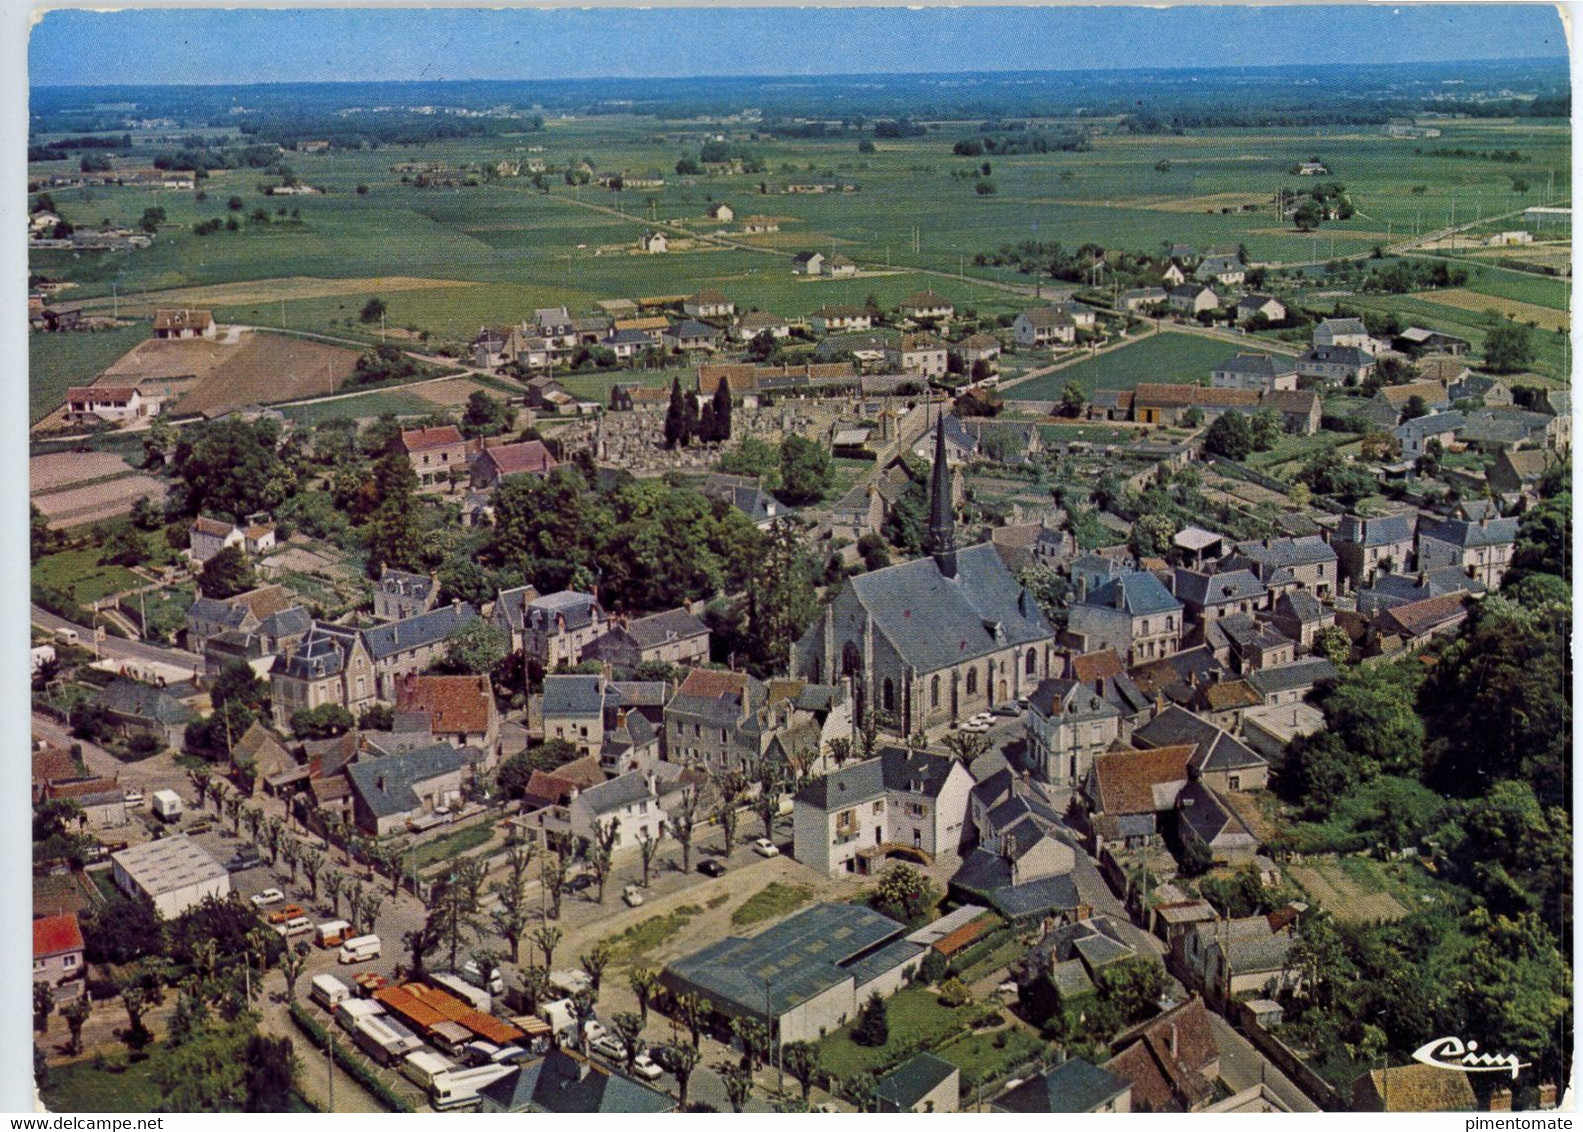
(77, 47)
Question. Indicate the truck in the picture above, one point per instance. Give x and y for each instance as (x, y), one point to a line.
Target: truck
(422, 1066)
(329, 991)
(459, 1088)
(386, 1040)
(479, 1000)
(350, 1012)
(562, 1019)
(332, 933)
(167, 806)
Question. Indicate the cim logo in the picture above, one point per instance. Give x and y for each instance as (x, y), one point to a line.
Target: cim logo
(1452, 1053)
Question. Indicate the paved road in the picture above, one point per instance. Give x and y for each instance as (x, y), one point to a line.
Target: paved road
(115, 647)
(1242, 1067)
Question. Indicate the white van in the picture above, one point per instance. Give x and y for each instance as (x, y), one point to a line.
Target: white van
(459, 1088)
(297, 925)
(359, 949)
(422, 1066)
(66, 636)
(329, 991)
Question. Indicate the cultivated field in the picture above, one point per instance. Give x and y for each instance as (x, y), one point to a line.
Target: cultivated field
(143, 305)
(91, 503)
(56, 362)
(1349, 889)
(1165, 356)
(1543, 317)
(61, 470)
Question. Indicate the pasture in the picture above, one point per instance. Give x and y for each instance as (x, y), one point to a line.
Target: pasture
(56, 362)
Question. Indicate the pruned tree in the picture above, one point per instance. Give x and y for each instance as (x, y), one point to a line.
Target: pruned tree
(693, 1011)
(601, 852)
(594, 961)
(647, 847)
(552, 873)
(802, 1062)
(512, 915)
(644, 983)
(683, 823)
(547, 938)
(291, 964)
(334, 879)
(679, 1061)
(77, 1010)
(629, 1030)
(738, 1083)
(533, 983)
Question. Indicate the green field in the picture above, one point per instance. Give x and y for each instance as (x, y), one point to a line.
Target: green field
(523, 248)
(771, 903)
(361, 405)
(79, 573)
(1166, 356)
(58, 361)
(914, 1014)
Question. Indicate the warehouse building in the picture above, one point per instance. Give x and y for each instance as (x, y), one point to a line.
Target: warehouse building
(810, 972)
(173, 873)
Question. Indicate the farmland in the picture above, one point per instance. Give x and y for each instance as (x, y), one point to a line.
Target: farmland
(1165, 356)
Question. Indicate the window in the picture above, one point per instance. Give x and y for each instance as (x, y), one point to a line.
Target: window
(1031, 665)
(1234, 781)
(697, 731)
(722, 734)
(1145, 626)
(972, 681)
(878, 807)
(934, 692)
(1170, 623)
(888, 697)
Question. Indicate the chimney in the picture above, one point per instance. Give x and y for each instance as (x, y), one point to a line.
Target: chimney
(379, 783)
(1192, 678)
(1159, 704)
(1501, 1100)
(1173, 1039)
(1099, 686)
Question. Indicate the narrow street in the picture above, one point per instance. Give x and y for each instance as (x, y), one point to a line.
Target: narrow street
(115, 647)
(1242, 1067)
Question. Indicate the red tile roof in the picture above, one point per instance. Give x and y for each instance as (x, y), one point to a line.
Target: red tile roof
(204, 525)
(514, 459)
(709, 684)
(1101, 665)
(422, 439)
(456, 704)
(1166, 1059)
(51, 763)
(1417, 618)
(56, 935)
(1125, 780)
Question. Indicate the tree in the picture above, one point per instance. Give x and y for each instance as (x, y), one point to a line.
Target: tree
(229, 468)
(904, 894)
(594, 961)
(966, 746)
(728, 815)
(1508, 347)
(134, 999)
(547, 938)
(738, 1081)
(872, 1027)
(645, 984)
(419, 942)
(721, 406)
(485, 416)
(76, 1013)
(511, 913)
(271, 1072)
(780, 599)
(552, 874)
(679, 1060)
(682, 824)
(291, 965)
(1230, 436)
(802, 1062)
(629, 1031)
(227, 574)
(1133, 986)
(1196, 859)
(474, 649)
(600, 853)
(533, 983)
(43, 1006)
(693, 1011)
(839, 750)
(648, 845)
(1072, 400)
(806, 471)
(1308, 216)
(327, 721)
(1333, 644)
(1152, 536)
(677, 432)
(372, 311)
(984, 187)
(393, 532)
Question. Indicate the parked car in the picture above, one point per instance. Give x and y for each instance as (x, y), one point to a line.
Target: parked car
(764, 847)
(610, 1046)
(1011, 710)
(593, 1031)
(973, 726)
(982, 717)
(133, 798)
(632, 896)
(246, 858)
(711, 868)
(579, 882)
(646, 1067)
(267, 897)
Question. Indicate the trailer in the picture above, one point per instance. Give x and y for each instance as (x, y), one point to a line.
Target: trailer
(349, 1012)
(167, 805)
(329, 991)
(462, 989)
(332, 933)
(386, 1039)
(459, 1088)
(422, 1066)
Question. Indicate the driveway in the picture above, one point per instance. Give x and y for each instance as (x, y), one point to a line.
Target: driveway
(1242, 1067)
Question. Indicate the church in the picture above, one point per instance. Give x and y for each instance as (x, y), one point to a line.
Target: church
(935, 640)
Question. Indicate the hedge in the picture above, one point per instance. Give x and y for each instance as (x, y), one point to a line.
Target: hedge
(356, 1068)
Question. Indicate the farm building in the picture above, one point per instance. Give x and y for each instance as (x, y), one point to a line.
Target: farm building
(173, 873)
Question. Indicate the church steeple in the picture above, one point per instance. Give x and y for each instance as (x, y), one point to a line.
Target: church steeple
(942, 524)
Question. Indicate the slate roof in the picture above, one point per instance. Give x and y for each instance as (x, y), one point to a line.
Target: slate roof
(416, 632)
(573, 695)
(1335, 326)
(1467, 534)
(1374, 532)
(915, 1078)
(893, 769)
(613, 794)
(576, 608)
(1208, 817)
(1195, 587)
(934, 621)
(132, 700)
(1257, 365)
(1069, 698)
(1170, 675)
(660, 628)
(562, 1083)
(1137, 593)
(1349, 356)
(1301, 606)
(385, 785)
(292, 622)
(1287, 552)
(801, 956)
(319, 655)
(758, 505)
(1286, 677)
(1215, 749)
(1042, 317)
(692, 328)
(1073, 1086)
(987, 877)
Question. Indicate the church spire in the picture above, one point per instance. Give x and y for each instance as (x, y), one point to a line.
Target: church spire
(942, 524)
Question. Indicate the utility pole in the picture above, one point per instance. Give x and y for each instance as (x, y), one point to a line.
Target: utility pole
(329, 1062)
